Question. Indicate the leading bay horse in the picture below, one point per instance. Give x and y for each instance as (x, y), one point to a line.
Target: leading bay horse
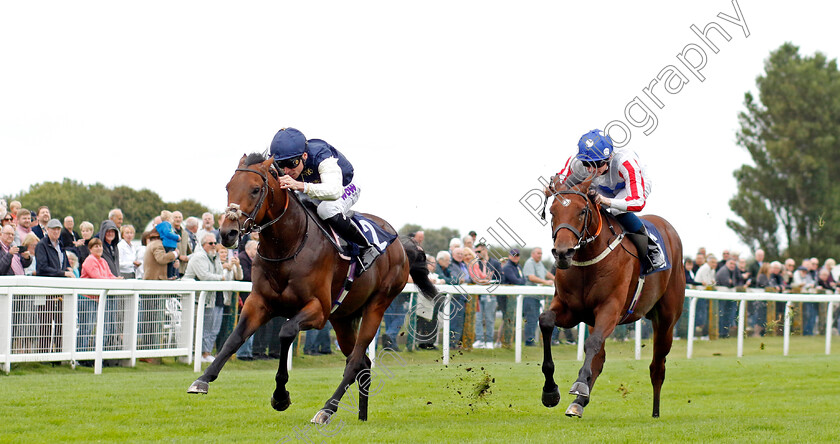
(596, 281)
(297, 274)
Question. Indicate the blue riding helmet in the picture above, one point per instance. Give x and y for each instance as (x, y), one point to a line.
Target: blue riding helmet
(288, 143)
(592, 146)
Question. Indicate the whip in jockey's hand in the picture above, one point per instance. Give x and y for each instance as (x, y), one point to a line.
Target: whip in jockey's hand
(326, 176)
(620, 181)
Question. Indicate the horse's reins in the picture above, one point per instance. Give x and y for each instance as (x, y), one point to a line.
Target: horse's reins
(581, 237)
(234, 212)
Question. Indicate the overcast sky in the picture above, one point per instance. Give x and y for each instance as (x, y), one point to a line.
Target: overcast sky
(449, 111)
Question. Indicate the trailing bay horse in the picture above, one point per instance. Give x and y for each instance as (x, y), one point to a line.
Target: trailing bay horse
(596, 283)
(298, 274)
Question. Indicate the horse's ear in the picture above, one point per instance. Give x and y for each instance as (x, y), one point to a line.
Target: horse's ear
(269, 167)
(242, 160)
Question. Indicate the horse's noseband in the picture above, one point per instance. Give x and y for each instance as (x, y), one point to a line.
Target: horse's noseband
(587, 215)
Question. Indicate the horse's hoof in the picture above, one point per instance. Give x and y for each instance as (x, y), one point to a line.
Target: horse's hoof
(579, 389)
(575, 410)
(551, 398)
(322, 417)
(199, 386)
(282, 404)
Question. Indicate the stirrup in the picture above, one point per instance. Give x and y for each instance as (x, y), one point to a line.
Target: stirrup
(367, 256)
(656, 258)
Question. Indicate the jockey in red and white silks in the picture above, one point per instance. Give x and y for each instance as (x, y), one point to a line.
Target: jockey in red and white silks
(620, 180)
(625, 182)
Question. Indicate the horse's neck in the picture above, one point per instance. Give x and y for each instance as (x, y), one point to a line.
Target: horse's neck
(291, 227)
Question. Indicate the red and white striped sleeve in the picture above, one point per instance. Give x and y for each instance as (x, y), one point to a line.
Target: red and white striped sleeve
(631, 172)
(566, 171)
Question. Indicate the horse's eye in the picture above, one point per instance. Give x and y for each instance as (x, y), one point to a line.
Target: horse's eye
(255, 191)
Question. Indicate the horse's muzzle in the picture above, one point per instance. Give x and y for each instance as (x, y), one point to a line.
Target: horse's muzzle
(230, 238)
(562, 259)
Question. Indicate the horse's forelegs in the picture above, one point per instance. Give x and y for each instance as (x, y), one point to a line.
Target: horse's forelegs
(605, 321)
(550, 392)
(310, 315)
(596, 368)
(253, 316)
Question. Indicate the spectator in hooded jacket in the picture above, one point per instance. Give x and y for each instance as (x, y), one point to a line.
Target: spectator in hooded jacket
(110, 236)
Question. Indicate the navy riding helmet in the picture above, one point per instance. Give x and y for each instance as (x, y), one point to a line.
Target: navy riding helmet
(593, 146)
(288, 143)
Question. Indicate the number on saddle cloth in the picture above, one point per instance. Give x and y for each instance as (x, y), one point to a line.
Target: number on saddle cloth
(379, 238)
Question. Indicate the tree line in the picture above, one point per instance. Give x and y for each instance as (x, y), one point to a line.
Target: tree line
(93, 202)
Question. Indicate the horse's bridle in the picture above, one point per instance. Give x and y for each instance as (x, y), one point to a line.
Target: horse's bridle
(233, 212)
(582, 238)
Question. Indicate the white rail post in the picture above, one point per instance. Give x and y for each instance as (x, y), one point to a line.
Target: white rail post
(132, 314)
(186, 338)
(6, 346)
(446, 313)
(99, 343)
(692, 312)
(199, 331)
(71, 337)
(788, 315)
(828, 327)
(638, 339)
(581, 340)
(742, 311)
(517, 333)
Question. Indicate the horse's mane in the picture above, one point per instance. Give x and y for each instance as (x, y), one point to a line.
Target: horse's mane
(254, 158)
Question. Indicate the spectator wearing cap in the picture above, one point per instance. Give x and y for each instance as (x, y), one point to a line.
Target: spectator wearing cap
(511, 275)
(50, 259)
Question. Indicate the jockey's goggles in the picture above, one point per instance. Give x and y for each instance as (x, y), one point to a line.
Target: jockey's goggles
(289, 163)
(594, 164)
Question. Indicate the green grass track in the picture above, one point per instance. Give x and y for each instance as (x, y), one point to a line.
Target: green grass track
(482, 396)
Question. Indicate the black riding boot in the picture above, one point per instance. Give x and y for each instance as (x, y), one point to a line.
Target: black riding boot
(655, 255)
(346, 228)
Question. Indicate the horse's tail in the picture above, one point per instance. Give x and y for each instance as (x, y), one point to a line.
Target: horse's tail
(417, 267)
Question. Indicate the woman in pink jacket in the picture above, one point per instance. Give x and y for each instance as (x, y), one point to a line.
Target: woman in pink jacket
(94, 267)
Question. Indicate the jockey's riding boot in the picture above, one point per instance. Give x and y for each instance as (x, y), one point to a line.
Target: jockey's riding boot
(346, 228)
(655, 255)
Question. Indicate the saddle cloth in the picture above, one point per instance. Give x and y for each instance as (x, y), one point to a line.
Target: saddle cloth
(375, 234)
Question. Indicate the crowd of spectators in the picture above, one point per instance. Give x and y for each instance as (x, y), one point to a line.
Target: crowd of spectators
(733, 271)
(33, 243)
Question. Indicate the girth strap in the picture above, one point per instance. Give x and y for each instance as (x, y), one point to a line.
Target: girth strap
(348, 284)
(635, 299)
